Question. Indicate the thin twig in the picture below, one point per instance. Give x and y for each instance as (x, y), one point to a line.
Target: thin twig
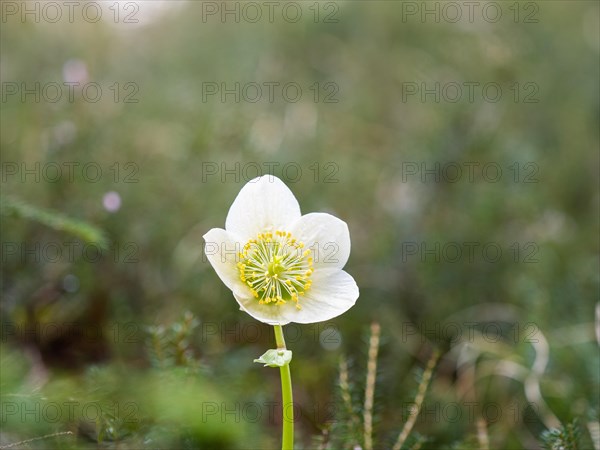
(533, 391)
(414, 412)
(346, 396)
(482, 434)
(594, 429)
(370, 385)
(325, 439)
(27, 441)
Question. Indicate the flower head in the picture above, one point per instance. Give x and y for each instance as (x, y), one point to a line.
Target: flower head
(281, 266)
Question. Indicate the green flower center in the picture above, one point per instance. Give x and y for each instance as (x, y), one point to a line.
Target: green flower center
(276, 268)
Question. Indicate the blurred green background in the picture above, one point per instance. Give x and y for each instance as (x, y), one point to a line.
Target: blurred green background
(144, 330)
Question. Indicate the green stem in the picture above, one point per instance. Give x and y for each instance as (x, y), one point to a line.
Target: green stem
(287, 441)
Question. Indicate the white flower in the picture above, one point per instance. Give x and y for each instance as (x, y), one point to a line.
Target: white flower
(281, 266)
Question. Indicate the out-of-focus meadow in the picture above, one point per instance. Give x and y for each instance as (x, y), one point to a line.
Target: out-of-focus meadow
(462, 153)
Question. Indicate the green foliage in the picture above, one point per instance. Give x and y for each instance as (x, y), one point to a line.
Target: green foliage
(415, 442)
(172, 406)
(468, 443)
(564, 438)
(170, 346)
(12, 207)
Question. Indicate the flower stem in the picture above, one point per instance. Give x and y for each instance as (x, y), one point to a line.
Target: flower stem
(287, 440)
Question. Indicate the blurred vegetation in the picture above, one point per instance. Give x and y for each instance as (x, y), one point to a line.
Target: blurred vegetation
(99, 267)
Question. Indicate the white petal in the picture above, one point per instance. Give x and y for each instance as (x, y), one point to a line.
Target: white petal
(333, 293)
(263, 204)
(271, 314)
(222, 251)
(327, 236)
